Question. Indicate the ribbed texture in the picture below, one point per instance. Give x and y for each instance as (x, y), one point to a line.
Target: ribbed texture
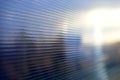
(33, 42)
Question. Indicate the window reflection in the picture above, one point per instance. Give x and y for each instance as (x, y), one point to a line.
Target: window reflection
(59, 40)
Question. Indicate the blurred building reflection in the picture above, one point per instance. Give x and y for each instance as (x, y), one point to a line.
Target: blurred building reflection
(53, 40)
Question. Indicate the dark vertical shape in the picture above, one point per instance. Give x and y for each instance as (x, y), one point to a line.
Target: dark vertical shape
(59, 63)
(3, 74)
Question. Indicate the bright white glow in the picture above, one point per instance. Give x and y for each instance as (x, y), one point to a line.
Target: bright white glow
(107, 17)
(104, 21)
(97, 35)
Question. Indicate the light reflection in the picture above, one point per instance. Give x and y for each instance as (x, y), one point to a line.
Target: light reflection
(78, 44)
(107, 18)
(94, 25)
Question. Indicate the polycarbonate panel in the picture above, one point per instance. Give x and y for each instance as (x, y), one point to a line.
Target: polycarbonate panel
(32, 40)
(59, 40)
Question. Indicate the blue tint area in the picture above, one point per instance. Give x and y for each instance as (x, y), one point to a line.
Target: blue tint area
(40, 40)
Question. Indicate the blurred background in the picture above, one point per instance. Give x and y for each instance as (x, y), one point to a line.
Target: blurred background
(59, 40)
